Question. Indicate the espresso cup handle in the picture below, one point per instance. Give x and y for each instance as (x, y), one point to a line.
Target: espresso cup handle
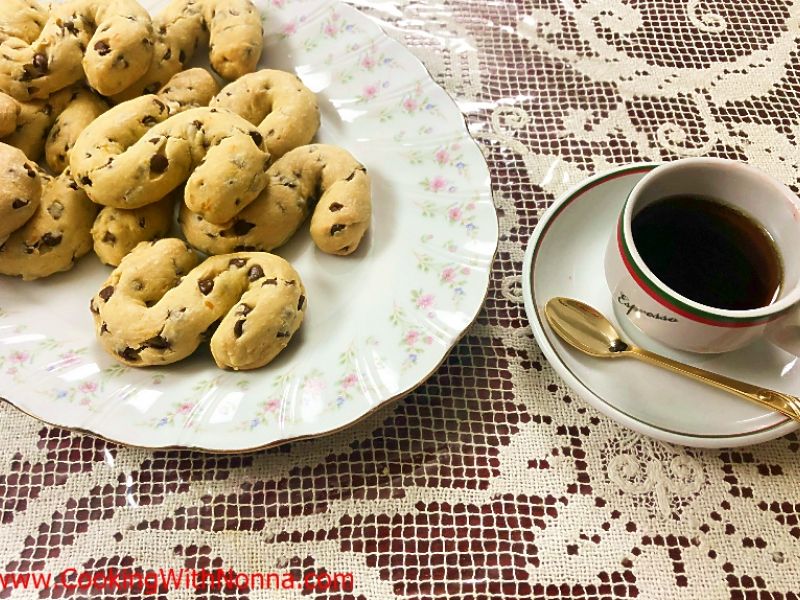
(785, 331)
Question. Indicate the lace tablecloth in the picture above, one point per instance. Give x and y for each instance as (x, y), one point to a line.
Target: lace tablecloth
(491, 480)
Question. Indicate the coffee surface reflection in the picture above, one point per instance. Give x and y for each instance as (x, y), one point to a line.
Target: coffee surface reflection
(709, 252)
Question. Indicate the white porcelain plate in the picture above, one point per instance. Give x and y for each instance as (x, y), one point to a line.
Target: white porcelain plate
(378, 322)
(565, 258)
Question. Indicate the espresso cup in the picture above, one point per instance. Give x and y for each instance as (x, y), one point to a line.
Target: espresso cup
(661, 313)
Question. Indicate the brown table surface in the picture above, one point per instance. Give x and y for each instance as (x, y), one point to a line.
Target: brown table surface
(492, 480)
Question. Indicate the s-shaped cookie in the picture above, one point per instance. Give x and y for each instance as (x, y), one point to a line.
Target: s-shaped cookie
(231, 27)
(117, 231)
(110, 42)
(45, 220)
(157, 306)
(123, 160)
(327, 175)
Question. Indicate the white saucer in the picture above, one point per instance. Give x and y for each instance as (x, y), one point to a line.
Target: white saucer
(565, 258)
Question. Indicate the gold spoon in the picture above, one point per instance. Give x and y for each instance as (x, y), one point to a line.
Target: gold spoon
(584, 328)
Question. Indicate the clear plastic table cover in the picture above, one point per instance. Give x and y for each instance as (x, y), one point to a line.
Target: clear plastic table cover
(489, 481)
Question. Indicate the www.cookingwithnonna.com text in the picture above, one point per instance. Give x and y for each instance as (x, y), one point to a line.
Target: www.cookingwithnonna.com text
(161, 580)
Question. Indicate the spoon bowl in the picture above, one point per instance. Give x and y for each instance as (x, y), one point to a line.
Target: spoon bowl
(584, 328)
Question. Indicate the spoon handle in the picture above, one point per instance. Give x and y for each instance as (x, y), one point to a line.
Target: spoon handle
(778, 401)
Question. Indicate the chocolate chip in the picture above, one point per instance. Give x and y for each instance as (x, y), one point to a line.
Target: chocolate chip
(336, 207)
(244, 248)
(257, 137)
(149, 120)
(337, 228)
(290, 282)
(102, 48)
(242, 227)
(197, 124)
(350, 177)
(29, 170)
(19, 203)
(238, 328)
(282, 334)
(159, 163)
(106, 292)
(104, 328)
(51, 239)
(70, 26)
(167, 54)
(93, 308)
(245, 309)
(109, 238)
(129, 354)
(273, 281)
(40, 62)
(86, 181)
(255, 273)
(157, 343)
(73, 186)
(237, 262)
(301, 301)
(205, 285)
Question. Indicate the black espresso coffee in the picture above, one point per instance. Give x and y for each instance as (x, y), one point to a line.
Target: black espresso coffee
(709, 252)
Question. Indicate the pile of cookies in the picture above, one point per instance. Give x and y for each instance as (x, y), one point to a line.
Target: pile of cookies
(105, 138)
